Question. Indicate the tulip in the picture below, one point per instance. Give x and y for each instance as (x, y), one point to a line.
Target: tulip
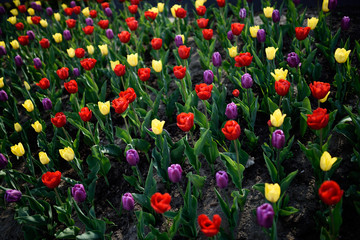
(341, 55)
(261, 35)
(203, 91)
(277, 118)
(268, 11)
(231, 130)
(12, 20)
(282, 87)
(59, 120)
(18, 149)
(319, 89)
(157, 126)
(231, 111)
(330, 192)
(37, 126)
(28, 105)
(345, 23)
(184, 52)
(71, 86)
(19, 26)
(132, 59)
(179, 40)
(156, 43)
(90, 49)
(174, 172)
(216, 59)
(85, 114)
(243, 59)
(246, 81)
(14, 12)
(2, 51)
(272, 192)
(326, 161)
(312, 22)
(222, 179)
(276, 16)
(3, 96)
(179, 72)
(1, 82)
(114, 63)
(109, 33)
(86, 12)
(67, 153)
(12, 195)
(57, 17)
(15, 44)
(242, 13)
(160, 202)
(119, 70)
(88, 63)
(17, 127)
(27, 86)
(78, 192)
(128, 201)
(265, 215)
(108, 12)
(57, 37)
(104, 49)
(208, 227)
(3, 161)
(302, 32)
(49, 11)
(278, 139)
(236, 93)
(157, 65)
(270, 52)
(332, 4)
(89, 22)
(43, 157)
(293, 59)
(233, 51)
(160, 7)
(37, 63)
(174, 8)
(318, 119)
(43, 23)
(31, 35)
(144, 74)
(208, 77)
(51, 179)
(104, 107)
(230, 35)
(279, 74)
(29, 21)
(237, 28)
(76, 72)
(132, 157)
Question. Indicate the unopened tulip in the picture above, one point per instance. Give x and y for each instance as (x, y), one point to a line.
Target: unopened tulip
(272, 192)
(175, 172)
(157, 126)
(270, 52)
(17, 127)
(67, 153)
(3, 161)
(265, 215)
(345, 23)
(128, 201)
(132, 157)
(268, 11)
(28, 105)
(326, 161)
(104, 107)
(43, 157)
(157, 65)
(37, 126)
(278, 139)
(341, 55)
(277, 118)
(18, 149)
(231, 111)
(253, 31)
(222, 179)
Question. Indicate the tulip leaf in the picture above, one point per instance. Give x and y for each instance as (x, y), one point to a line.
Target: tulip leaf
(200, 118)
(271, 168)
(123, 134)
(287, 211)
(199, 145)
(67, 233)
(224, 207)
(193, 159)
(112, 150)
(287, 181)
(233, 169)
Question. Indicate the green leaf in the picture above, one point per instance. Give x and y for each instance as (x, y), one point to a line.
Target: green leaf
(287, 181)
(233, 169)
(287, 211)
(112, 150)
(200, 118)
(271, 168)
(123, 134)
(199, 145)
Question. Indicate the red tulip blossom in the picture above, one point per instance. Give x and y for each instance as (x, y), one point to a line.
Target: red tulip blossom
(319, 89)
(203, 91)
(51, 179)
(120, 104)
(104, 24)
(88, 63)
(59, 120)
(85, 114)
(318, 119)
(80, 52)
(160, 202)
(44, 83)
(302, 32)
(63, 73)
(184, 52)
(282, 87)
(119, 70)
(124, 36)
(243, 59)
(231, 130)
(71, 23)
(236, 28)
(185, 121)
(208, 227)
(156, 43)
(71, 86)
(202, 22)
(207, 33)
(179, 72)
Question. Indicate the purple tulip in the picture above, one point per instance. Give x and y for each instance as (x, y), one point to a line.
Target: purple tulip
(18, 61)
(128, 201)
(33, 5)
(89, 22)
(345, 23)
(261, 35)
(12, 195)
(230, 35)
(31, 35)
(72, 4)
(278, 139)
(208, 77)
(216, 59)
(3, 161)
(37, 63)
(265, 215)
(296, 2)
(332, 4)
(174, 172)
(76, 72)
(132, 157)
(109, 33)
(3, 96)
(2, 51)
(78, 192)
(276, 16)
(2, 10)
(222, 179)
(293, 59)
(67, 35)
(47, 104)
(49, 11)
(178, 41)
(231, 111)
(108, 12)
(246, 81)
(242, 13)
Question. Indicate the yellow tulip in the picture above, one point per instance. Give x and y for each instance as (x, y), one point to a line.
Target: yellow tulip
(67, 154)
(183, 38)
(31, 11)
(104, 49)
(157, 126)
(132, 59)
(28, 105)
(64, 6)
(16, 3)
(154, 9)
(43, 157)
(38, 2)
(325, 98)
(27, 86)
(1, 82)
(71, 52)
(2, 44)
(174, 8)
(104, 107)
(199, 3)
(17, 127)
(312, 22)
(277, 118)
(233, 51)
(341, 55)
(160, 6)
(57, 37)
(113, 64)
(86, 12)
(12, 20)
(57, 16)
(29, 21)
(268, 11)
(90, 49)
(43, 23)
(325, 6)
(272, 192)
(157, 65)
(37, 126)
(18, 149)
(326, 161)
(253, 31)
(270, 52)
(15, 44)
(14, 12)
(280, 74)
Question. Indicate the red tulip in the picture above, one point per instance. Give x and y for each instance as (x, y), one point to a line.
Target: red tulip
(302, 32)
(71, 23)
(179, 72)
(208, 227)
(203, 91)
(132, 23)
(71, 86)
(59, 120)
(88, 30)
(63, 73)
(243, 59)
(51, 179)
(93, 14)
(236, 93)
(68, 11)
(35, 19)
(129, 94)
(105, 5)
(44, 83)
(330, 192)
(231, 130)
(44, 43)
(318, 119)
(319, 89)
(124, 36)
(19, 26)
(119, 70)
(185, 121)
(144, 74)
(160, 202)
(104, 24)
(156, 43)
(237, 28)
(201, 10)
(88, 63)
(85, 114)
(221, 3)
(180, 13)
(133, 9)
(207, 34)
(22, 8)
(79, 52)
(77, 10)
(202, 22)
(282, 87)
(150, 15)
(120, 105)
(184, 52)
(23, 40)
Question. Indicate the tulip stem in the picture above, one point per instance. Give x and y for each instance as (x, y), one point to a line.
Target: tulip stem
(192, 138)
(278, 164)
(67, 135)
(139, 175)
(180, 190)
(205, 110)
(137, 118)
(280, 102)
(238, 163)
(321, 139)
(218, 76)
(57, 195)
(126, 125)
(184, 90)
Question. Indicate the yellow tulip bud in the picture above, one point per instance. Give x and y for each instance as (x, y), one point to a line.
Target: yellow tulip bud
(268, 11)
(31, 11)
(325, 98)
(326, 161)
(1, 82)
(86, 12)
(67, 154)
(104, 49)
(64, 6)
(71, 52)
(15, 44)
(280, 74)
(29, 21)
(27, 86)
(90, 49)
(157, 126)
(341, 55)
(132, 59)
(199, 3)
(43, 23)
(325, 6)
(104, 107)
(57, 37)
(18, 149)
(57, 16)
(157, 65)
(2, 44)
(37, 126)
(272, 192)
(277, 118)
(12, 20)
(233, 51)
(270, 52)
(14, 12)
(16, 3)
(312, 22)
(17, 127)
(38, 2)
(113, 64)
(174, 8)
(43, 157)
(253, 31)
(160, 6)
(154, 9)
(28, 105)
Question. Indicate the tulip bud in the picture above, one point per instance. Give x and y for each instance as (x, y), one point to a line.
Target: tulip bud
(76, 72)
(49, 11)
(37, 126)
(246, 81)
(67, 154)
(12, 195)
(37, 63)
(265, 215)
(17, 127)
(1, 82)
(72, 4)
(231, 111)
(3, 96)
(216, 59)
(47, 104)
(157, 126)
(174, 172)
(272, 192)
(109, 33)
(157, 65)
(345, 23)
(326, 161)
(178, 41)
(276, 16)
(222, 179)
(208, 77)
(18, 149)
(2, 51)
(332, 4)
(3, 161)
(18, 61)
(261, 35)
(43, 157)
(104, 108)
(278, 139)
(242, 13)
(293, 59)
(67, 35)
(78, 192)
(31, 35)
(108, 12)
(132, 157)
(230, 35)
(128, 201)
(89, 22)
